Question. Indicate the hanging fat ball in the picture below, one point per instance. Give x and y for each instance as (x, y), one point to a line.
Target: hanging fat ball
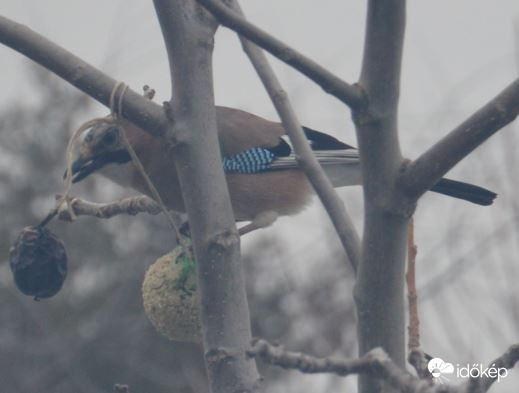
(170, 297)
(38, 261)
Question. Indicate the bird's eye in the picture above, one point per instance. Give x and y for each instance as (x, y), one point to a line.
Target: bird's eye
(110, 137)
(89, 137)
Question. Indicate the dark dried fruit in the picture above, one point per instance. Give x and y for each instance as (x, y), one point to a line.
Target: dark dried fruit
(38, 261)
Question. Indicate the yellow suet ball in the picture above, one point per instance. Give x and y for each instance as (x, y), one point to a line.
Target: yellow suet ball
(170, 297)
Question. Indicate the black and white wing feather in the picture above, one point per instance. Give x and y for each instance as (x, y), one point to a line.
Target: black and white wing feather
(339, 160)
(341, 166)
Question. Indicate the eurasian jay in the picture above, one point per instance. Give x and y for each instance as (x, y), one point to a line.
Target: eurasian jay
(262, 173)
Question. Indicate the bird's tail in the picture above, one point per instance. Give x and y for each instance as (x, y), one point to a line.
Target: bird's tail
(343, 169)
(348, 174)
(465, 191)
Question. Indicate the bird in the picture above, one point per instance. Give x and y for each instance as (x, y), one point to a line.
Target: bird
(262, 173)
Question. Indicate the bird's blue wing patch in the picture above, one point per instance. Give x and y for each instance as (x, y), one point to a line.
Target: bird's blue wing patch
(253, 160)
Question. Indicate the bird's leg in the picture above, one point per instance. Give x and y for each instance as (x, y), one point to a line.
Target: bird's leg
(262, 220)
(248, 228)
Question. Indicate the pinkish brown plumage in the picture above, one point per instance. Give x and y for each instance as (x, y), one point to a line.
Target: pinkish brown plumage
(264, 179)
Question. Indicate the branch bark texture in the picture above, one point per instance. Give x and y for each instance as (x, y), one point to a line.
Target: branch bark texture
(130, 206)
(188, 32)
(376, 364)
(379, 291)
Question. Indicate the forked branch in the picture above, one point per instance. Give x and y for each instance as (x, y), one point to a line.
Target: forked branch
(376, 363)
(351, 95)
(333, 204)
(188, 32)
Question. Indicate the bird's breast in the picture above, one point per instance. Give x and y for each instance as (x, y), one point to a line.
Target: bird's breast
(284, 192)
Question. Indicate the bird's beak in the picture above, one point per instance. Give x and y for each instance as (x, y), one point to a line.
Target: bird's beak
(82, 168)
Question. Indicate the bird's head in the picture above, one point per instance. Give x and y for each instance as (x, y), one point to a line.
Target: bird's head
(97, 148)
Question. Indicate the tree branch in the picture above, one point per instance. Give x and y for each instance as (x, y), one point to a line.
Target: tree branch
(430, 167)
(505, 361)
(131, 206)
(412, 295)
(379, 291)
(416, 357)
(278, 356)
(382, 61)
(351, 95)
(82, 75)
(188, 34)
(305, 157)
(376, 363)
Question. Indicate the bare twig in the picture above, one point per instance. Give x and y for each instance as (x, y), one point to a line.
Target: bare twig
(416, 357)
(130, 206)
(351, 95)
(430, 167)
(305, 157)
(414, 322)
(373, 363)
(278, 356)
(82, 75)
(505, 361)
(376, 363)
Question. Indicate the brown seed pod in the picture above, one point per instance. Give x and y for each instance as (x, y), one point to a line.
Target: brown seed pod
(38, 261)
(170, 298)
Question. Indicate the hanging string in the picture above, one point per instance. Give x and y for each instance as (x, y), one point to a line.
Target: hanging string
(68, 174)
(115, 117)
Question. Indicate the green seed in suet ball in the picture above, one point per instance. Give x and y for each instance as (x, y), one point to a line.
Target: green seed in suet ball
(38, 261)
(170, 297)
